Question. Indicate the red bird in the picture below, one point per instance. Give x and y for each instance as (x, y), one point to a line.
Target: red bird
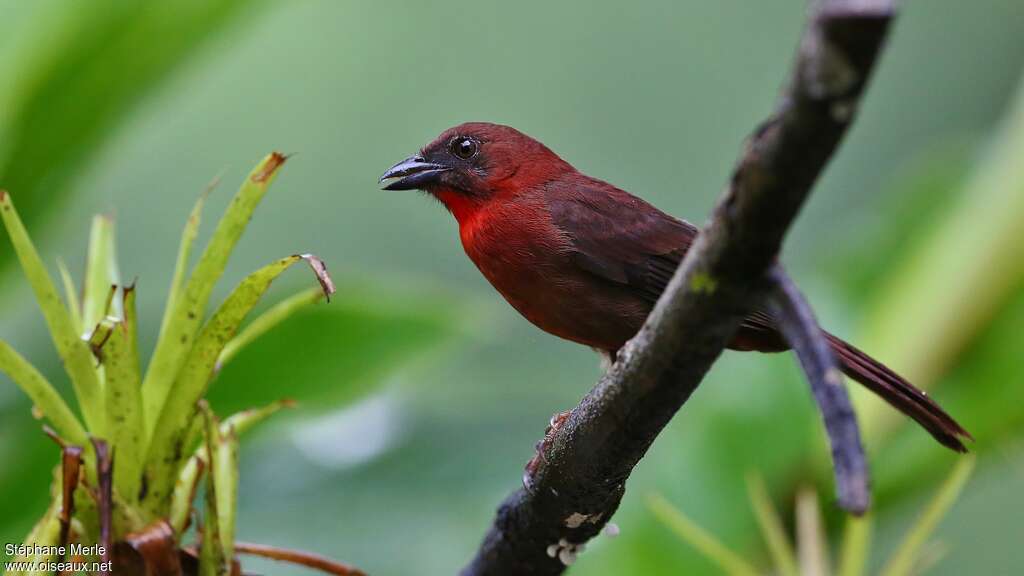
(586, 261)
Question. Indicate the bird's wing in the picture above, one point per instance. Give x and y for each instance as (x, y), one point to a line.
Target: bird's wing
(619, 237)
(627, 241)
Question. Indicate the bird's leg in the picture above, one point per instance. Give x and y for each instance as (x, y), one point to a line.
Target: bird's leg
(542, 446)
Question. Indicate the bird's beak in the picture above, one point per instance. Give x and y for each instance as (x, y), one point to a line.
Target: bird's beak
(411, 173)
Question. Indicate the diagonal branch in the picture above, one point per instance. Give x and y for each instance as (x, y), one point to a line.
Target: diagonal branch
(799, 327)
(579, 483)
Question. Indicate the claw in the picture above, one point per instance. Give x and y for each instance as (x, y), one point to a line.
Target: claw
(542, 446)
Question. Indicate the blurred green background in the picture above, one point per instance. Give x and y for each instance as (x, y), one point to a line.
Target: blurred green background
(421, 392)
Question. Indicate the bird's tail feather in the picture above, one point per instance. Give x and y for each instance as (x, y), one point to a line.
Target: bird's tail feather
(901, 394)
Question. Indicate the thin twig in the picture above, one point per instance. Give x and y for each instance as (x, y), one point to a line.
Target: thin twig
(306, 559)
(800, 329)
(580, 480)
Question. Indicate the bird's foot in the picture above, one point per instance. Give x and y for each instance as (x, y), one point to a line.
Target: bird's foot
(542, 446)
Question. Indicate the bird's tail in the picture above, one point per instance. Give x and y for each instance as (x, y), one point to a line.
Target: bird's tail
(901, 394)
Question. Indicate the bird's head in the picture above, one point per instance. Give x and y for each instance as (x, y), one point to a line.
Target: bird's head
(471, 164)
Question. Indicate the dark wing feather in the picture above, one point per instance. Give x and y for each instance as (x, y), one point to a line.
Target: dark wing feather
(619, 237)
(627, 241)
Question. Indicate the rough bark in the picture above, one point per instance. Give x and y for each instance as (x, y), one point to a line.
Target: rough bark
(580, 479)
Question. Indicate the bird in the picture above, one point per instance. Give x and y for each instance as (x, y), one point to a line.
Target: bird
(585, 260)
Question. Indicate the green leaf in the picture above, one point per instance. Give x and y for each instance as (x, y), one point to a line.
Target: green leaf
(267, 321)
(176, 342)
(185, 487)
(75, 354)
(903, 560)
(188, 237)
(79, 78)
(853, 555)
(167, 445)
(212, 561)
(687, 531)
(71, 295)
(43, 395)
(120, 360)
(225, 475)
(100, 272)
(771, 525)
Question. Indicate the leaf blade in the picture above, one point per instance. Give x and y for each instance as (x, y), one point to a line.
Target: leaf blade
(854, 552)
(768, 520)
(185, 487)
(100, 271)
(174, 345)
(75, 354)
(225, 473)
(211, 551)
(42, 394)
(123, 401)
(70, 296)
(267, 321)
(166, 446)
(188, 237)
(902, 561)
(688, 531)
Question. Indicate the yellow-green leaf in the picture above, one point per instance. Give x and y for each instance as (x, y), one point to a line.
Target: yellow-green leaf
(71, 295)
(73, 351)
(43, 395)
(771, 526)
(853, 554)
(167, 444)
(175, 344)
(225, 474)
(188, 480)
(728, 561)
(120, 359)
(212, 561)
(906, 555)
(100, 272)
(268, 320)
(188, 237)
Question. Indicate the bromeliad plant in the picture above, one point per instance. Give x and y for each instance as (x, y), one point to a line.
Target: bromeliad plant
(132, 465)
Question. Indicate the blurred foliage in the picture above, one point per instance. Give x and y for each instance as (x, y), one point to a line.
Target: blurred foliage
(654, 97)
(332, 368)
(909, 558)
(98, 61)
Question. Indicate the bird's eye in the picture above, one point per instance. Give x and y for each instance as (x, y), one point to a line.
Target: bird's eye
(464, 148)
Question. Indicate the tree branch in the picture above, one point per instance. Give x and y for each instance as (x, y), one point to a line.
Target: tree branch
(797, 323)
(578, 484)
